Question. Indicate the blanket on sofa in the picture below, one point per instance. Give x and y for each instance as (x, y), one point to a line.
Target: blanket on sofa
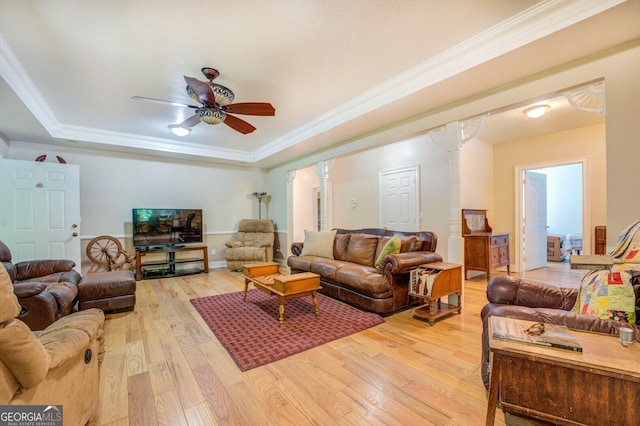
(609, 295)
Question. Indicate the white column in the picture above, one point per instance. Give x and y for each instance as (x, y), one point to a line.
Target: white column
(322, 169)
(455, 252)
(291, 175)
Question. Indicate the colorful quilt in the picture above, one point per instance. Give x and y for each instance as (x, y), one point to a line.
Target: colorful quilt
(609, 294)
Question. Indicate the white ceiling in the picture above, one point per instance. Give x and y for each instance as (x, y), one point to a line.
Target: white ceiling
(333, 69)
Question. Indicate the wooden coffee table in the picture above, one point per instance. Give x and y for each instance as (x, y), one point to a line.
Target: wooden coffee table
(600, 385)
(265, 276)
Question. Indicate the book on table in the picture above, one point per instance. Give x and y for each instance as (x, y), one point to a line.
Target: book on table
(553, 335)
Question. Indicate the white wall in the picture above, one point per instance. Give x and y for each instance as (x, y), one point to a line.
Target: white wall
(356, 175)
(585, 142)
(304, 181)
(4, 147)
(564, 199)
(112, 184)
(476, 184)
(623, 150)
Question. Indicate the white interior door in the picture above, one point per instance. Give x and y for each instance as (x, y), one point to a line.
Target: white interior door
(40, 210)
(535, 221)
(398, 199)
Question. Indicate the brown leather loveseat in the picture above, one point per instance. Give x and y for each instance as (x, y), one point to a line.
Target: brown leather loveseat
(351, 275)
(521, 299)
(47, 290)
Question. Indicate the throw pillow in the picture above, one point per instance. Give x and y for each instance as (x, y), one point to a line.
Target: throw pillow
(362, 249)
(318, 244)
(392, 247)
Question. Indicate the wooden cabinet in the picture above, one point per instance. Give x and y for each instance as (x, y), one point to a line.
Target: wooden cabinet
(486, 252)
(170, 265)
(554, 243)
(483, 250)
(432, 281)
(601, 240)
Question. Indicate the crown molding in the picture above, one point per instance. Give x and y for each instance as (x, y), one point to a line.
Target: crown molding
(530, 25)
(539, 21)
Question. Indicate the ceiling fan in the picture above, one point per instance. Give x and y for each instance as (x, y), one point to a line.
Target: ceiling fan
(215, 104)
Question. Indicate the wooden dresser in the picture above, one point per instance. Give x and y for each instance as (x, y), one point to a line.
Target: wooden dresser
(483, 250)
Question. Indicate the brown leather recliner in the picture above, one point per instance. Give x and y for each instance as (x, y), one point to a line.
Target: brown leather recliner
(46, 289)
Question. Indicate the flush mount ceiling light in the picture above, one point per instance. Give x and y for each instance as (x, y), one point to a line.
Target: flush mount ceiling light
(537, 111)
(179, 131)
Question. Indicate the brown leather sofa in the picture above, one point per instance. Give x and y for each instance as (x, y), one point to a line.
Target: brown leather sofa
(46, 289)
(352, 277)
(521, 299)
(59, 366)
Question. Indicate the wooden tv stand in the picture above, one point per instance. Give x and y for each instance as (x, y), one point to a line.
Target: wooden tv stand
(162, 268)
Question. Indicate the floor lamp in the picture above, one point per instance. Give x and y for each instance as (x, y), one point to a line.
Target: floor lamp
(259, 196)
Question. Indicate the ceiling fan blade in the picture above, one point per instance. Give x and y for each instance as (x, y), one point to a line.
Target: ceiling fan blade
(250, 108)
(190, 122)
(160, 101)
(238, 124)
(202, 89)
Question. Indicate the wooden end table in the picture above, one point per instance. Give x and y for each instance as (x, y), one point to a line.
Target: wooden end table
(598, 386)
(265, 276)
(447, 280)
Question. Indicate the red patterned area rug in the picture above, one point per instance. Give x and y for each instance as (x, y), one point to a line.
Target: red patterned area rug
(249, 330)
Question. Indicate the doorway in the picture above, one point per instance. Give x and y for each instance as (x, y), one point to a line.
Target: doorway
(567, 199)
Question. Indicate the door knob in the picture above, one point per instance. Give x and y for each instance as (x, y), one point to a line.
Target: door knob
(75, 234)
(75, 225)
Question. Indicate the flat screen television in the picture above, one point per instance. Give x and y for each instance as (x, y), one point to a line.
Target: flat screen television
(166, 227)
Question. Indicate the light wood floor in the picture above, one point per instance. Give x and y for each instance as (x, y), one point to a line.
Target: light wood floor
(164, 366)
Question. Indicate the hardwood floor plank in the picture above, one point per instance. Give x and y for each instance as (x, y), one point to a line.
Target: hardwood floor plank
(199, 415)
(256, 410)
(397, 393)
(191, 351)
(114, 402)
(169, 411)
(309, 383)
(261, 381)
(161, 378)
(181, 374)
(308, 406)
(401, 372)
(218, 399)
(218, 358)
(142, 410)
(136, 358)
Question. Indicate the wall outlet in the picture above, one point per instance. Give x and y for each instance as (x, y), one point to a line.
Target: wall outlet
(213, 251)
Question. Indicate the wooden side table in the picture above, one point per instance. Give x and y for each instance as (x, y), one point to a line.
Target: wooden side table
(445, 279)
(598, 386)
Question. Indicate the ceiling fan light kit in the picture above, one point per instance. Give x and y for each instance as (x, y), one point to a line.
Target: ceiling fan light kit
(223, 95)
(178, 130)
(537, 111)
(216, 105)
(211, 115)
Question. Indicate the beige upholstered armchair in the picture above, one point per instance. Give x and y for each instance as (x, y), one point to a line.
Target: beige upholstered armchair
(58, 366)
(253, 243)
